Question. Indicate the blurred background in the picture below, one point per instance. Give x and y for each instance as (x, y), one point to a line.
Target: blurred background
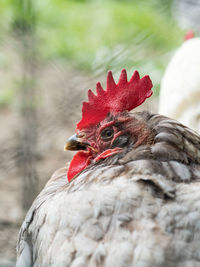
(51, 53)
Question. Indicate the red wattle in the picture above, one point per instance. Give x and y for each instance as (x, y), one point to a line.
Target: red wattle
(83, 158)
(79, 162)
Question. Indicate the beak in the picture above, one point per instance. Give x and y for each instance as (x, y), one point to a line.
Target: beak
(74, 144)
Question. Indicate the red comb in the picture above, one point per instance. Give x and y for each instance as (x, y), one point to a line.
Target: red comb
(189, 35)
(124, 96)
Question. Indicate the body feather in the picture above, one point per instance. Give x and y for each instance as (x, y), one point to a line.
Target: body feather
(138, 208)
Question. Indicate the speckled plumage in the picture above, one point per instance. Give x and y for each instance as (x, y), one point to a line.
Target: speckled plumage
(140, 208)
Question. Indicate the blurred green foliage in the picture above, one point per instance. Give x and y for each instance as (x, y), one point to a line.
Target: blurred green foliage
(6, 97)
(97, 35)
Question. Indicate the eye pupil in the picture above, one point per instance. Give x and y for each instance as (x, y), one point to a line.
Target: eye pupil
(106, 134)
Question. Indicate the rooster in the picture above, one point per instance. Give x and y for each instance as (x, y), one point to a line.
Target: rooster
(133, 192)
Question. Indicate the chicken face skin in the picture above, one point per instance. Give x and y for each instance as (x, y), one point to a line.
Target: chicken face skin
(113, 135)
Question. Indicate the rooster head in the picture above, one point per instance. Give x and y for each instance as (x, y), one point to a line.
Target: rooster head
(106, 128)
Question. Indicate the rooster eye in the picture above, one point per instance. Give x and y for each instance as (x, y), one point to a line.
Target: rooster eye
(107, 134)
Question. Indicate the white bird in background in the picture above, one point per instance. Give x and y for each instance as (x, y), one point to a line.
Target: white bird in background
(180, 87)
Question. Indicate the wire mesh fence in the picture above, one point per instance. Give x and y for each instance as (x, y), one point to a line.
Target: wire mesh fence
(41, 95)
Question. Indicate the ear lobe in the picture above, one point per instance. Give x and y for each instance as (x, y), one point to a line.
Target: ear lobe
(107, 153)
(120, 141)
